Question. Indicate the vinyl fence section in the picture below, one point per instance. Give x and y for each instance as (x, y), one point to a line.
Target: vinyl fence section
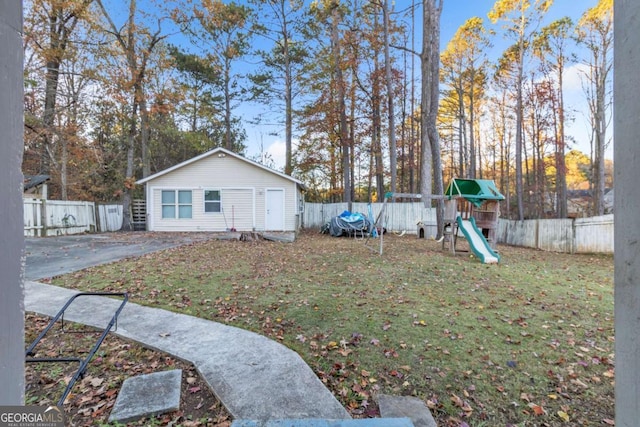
(59, 217)
(583, 235)
(398, 217)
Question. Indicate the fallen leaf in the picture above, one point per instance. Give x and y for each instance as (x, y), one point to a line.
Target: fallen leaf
(457, 401)
(537, 409)
(194, 389)
(564, 416)
(608, 421)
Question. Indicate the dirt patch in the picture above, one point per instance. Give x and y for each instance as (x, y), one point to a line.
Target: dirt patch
(94, 395)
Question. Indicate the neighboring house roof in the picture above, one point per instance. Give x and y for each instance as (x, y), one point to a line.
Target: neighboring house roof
(31, 181)
(219, 151)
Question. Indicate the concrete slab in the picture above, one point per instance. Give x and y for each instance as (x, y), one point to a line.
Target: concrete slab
(254, 377)
(406, 406)
(364, 422)
(147, 395)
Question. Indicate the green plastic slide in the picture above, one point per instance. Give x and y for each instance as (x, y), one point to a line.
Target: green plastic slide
(477, 242)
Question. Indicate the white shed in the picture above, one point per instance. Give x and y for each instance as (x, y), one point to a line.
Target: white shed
(220, 191)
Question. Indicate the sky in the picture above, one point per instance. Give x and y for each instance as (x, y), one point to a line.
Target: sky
(454, 14)
(260, 138)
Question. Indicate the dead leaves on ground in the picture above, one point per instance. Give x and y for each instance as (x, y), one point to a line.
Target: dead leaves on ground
(93, 396)
(528, 342)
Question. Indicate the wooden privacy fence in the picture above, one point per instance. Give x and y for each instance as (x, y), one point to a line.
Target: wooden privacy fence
(59, 217)
(398, 217)
(582, 235)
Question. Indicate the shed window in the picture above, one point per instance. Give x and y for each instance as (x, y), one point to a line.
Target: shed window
(212, 201)
(176, 204)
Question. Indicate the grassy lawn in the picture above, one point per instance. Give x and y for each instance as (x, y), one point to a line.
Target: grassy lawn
(527, 342)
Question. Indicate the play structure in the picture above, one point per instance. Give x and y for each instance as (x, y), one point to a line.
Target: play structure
(472, 207)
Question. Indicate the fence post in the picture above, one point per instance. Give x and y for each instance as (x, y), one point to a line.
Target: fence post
(573, 236)
(90, 207)
(43, 217)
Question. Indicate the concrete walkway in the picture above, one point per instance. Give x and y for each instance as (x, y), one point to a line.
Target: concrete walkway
(254, 377)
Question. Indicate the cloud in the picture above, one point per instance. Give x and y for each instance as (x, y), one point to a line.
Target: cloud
(277, 151)
(573, 77)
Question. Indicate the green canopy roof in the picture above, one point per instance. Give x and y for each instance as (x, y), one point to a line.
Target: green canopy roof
(476, 191)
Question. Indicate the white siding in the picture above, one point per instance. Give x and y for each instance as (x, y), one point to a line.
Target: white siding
(243, 188)
(238, 209)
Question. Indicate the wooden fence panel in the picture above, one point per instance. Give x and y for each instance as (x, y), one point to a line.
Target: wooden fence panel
(584, 235)
(109, 218)
(69, 217)
(517, 233)
(556, 235)
(594, 235)
(398, 216)
(32, 214)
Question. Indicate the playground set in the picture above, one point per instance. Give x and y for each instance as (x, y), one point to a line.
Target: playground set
(471, 206)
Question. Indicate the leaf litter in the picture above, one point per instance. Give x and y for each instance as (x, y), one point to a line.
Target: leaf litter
(476, 338)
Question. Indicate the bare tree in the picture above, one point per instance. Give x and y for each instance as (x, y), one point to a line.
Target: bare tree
(595, 30)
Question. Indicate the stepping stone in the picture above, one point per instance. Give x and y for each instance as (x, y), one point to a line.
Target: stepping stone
(406, 406)
(147, 395)
(363, 422)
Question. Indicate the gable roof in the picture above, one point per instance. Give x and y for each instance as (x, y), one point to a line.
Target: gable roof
(222, 151)
(31, 181)
(474, 190)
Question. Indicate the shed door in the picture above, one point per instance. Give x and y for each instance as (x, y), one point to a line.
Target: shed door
(275, 210)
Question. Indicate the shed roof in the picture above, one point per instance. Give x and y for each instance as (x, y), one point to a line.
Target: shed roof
(31, 181)
(474, 190)
(218, 151)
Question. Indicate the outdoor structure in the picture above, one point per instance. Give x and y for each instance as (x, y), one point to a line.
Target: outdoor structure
(472, 206)
(35, 186)
(12, 241)
(626, 81)
(222, 191)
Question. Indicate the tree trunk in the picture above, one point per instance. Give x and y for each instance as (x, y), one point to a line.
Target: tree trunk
(288, 95)
(519, 120)
(227, 106)
(344, 133)
(393, 154)
(561, 167)
(144, 137)
(430, 66)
